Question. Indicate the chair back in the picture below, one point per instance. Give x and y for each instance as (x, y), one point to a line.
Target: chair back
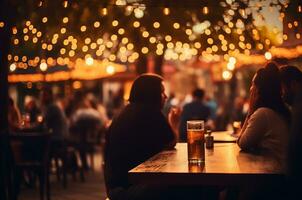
(30, 147)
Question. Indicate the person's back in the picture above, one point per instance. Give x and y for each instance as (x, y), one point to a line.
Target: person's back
(291, 78)
(194, 110)
(56, 122)
(54, 118)
(138, 133)
(267, 132)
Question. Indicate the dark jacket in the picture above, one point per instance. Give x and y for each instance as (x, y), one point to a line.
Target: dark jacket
(192, 111)
(138, 133)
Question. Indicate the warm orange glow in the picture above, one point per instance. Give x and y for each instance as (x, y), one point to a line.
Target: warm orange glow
(166, 11)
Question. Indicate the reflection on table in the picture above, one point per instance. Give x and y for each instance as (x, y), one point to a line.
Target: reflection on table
(224, 165)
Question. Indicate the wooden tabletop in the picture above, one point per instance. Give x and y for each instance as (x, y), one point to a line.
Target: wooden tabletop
(224, 136)
(224, 165)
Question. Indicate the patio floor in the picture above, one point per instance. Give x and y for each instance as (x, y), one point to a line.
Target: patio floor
(92, 189)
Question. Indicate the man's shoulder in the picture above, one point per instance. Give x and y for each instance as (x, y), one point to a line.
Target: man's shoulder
(196, 104)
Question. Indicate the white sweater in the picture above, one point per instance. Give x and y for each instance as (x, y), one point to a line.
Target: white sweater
(265, 131)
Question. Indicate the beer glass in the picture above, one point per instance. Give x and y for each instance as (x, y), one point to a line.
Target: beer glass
(195, 140)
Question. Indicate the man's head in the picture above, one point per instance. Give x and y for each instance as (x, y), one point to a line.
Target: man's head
(291, 78)
(198, 94)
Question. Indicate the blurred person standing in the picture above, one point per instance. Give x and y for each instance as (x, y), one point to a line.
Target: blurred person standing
(291, 79)
(194, 110)
(53, 117)
(86, 124)
(14, 116)
(212, 104)
(31, 108)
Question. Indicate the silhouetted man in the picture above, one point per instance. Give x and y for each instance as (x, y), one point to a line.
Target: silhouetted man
(193, 111)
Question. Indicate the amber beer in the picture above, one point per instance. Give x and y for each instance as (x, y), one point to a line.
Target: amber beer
(195, 139)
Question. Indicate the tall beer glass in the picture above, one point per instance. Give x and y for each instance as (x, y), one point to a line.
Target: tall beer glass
(195, 140)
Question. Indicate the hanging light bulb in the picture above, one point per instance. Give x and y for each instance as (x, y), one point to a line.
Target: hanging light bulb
(12, 67)
(65, 4)
(205, 10)
(43, 66)
(89, 61)
(104, 11)
(138, 13)
(268, 55)
(166, 11)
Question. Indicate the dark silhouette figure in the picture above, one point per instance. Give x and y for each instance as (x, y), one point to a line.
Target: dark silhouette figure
(136, 134)
(194, 110)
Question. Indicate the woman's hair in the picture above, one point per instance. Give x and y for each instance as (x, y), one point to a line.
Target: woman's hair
(146, 90)
(268, 84)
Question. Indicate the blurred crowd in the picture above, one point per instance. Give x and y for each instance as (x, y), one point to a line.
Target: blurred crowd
(82, 111)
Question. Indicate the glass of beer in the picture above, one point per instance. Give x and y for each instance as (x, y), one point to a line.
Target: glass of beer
(195, 140)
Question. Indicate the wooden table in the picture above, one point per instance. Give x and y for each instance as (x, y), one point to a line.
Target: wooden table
(224, 136)
(225, 165)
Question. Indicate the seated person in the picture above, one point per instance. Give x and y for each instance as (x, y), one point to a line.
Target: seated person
(291, 79)
(266, 128)
(137, 133)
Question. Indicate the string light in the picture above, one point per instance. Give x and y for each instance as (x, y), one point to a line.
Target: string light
(44, 19)
(63, 30)
(136, 24)
(227, 75)
(138, 13)
(83, 28)
(16, 41)
(114, 23)
(89, 61)
(168, 38)
(104, 11)
(12, 67)
(145, 50)
(176, 25)
(152, 40)
(145, 34)
(121, 31)
(205, 10)
(242, 44)
(65, 20)
(43, 66)
(77, 85)
(110, 69)
(96, 24)
(268, 55)
(166, 11)
(65, 4)
(156, 24)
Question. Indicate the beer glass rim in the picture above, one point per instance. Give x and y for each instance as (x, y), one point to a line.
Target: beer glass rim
(195, 121)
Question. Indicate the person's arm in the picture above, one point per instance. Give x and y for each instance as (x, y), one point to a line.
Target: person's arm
(253, 130)
(174, 119)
